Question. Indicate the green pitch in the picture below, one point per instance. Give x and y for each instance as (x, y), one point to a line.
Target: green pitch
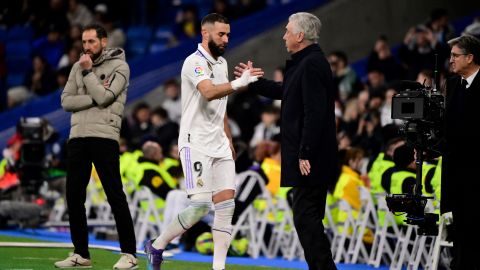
(27, 258)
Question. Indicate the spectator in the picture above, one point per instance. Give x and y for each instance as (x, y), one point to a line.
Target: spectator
(78, 13)
(369, 133)
(172, 102)
(418, 51)
(344, 77)
(247, 7)
(222, 7)
(136, 126)
(151, 174)
(268, 127)
(386, 109)
(187, 24)
(473, 29)
(439, 24)
(17, 95)
(425, 77)
(41, 80)
(51, 46)
(164, 131)
(116, 36)
(375, 81)
(381, 58)
(74, 37)
(69, 58)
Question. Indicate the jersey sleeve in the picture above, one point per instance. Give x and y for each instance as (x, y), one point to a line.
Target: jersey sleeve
(197, 70)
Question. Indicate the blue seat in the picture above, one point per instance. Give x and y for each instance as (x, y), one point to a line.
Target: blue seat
(3, 35)
(20, 65)
(158, 46)
(18, 49)
(139, 32)
(163, 33)
(136, 48)
(20, 32)
(15, 79)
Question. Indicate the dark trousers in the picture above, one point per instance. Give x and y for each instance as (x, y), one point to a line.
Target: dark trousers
(308, 211)
(104, 154)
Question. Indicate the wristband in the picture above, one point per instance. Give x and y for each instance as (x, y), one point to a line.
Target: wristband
(85, 72)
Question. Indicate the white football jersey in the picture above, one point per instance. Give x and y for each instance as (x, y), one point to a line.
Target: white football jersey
(201, 125)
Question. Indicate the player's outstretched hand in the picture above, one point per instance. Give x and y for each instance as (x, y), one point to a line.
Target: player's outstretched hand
(245, 79)
(253, 71)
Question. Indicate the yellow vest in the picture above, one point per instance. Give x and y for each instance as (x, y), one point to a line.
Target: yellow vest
(379, 166)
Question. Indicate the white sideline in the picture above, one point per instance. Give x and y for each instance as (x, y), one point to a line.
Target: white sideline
(69, 245)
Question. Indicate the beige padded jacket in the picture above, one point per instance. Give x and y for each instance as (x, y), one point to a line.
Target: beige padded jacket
(97, 100)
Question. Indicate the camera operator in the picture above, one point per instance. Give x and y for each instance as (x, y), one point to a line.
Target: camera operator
(459, 190)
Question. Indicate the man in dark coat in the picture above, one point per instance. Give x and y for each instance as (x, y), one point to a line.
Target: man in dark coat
(460, 186)
(309, 145)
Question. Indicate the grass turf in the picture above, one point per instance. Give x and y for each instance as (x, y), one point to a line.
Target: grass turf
(43, 258)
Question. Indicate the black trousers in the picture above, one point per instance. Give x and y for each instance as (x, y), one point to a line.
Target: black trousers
(104, 154)
(308, 211)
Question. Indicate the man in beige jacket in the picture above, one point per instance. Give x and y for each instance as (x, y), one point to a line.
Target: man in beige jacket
(95, 94)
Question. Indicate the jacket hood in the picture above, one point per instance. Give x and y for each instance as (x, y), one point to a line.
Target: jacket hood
(109, 54)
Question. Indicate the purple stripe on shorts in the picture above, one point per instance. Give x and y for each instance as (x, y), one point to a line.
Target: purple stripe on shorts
(189, 183)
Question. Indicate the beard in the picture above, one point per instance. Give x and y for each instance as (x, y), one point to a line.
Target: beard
(94, 56)
(215, 49)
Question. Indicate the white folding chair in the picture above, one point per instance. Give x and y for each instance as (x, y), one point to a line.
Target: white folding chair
(253, 222)
(339, 248)
(284, 237)
(367, 220)
(381, 250)
(440, 241)
(143, 224)
(329, 224)
(420, 256)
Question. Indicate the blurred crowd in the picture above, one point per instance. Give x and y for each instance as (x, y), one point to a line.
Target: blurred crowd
(366, 132)
(41, 40)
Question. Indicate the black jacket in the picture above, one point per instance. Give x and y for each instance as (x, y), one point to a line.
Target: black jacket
(308, 120)
(462, 145)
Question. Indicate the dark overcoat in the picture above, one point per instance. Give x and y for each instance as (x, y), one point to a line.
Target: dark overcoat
(307, 118)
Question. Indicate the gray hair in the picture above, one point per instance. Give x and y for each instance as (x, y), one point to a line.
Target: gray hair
(469, 45)
(308, 24)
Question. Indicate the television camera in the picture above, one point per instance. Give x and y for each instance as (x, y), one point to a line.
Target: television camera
(32, 163)
(422, 109)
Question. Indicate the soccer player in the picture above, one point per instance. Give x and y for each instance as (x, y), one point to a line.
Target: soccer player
(205, 143)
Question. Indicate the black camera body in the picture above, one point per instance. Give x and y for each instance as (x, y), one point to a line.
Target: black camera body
(423, 111)
(32, 164)
(418, 104)
(414, 206)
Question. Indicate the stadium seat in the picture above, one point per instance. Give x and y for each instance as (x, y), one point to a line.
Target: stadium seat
(158, 46)
(3, 35)
(366, 221)
(381, 249)
(142, 216)
(15, 79)
(19, 32)
(18, 49)
(252, 222)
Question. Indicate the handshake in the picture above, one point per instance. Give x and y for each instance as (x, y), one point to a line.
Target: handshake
(245, 74)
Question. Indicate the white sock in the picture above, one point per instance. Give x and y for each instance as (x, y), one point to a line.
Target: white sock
(222, 232)
(173, 230)
(199, 206)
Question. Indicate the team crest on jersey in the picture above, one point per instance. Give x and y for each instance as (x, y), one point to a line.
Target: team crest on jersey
(199, 182)
(198, 71)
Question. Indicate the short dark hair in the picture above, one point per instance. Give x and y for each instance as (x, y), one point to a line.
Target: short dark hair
(469, 45)
(171, 81)
(101, 32)
(342, 56)
(215, 17)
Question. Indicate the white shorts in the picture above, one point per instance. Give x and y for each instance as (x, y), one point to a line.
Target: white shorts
(206, 174)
